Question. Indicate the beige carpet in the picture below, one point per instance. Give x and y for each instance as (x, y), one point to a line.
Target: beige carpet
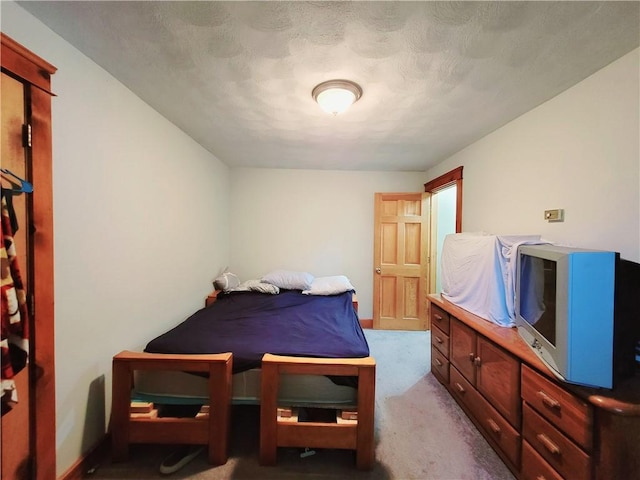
(421, 433)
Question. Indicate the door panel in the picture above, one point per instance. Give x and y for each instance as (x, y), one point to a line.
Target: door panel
(15, 433)
(401, 261)
(412, 244)
(16, 422)
(34, 74)
(463, 349)
(389, 243)
(14, 159)
(411, 298)
(498, 379)
(388, 296)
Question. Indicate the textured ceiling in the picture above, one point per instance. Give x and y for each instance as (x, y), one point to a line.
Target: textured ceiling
(436, 76)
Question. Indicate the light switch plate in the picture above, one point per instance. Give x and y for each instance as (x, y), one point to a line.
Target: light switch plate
(556, 215)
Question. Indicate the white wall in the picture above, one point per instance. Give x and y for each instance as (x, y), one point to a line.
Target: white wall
(579, 151)
(141, 228)
(311, 220)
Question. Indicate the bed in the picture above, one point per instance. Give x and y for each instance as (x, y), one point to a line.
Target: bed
(254, 347)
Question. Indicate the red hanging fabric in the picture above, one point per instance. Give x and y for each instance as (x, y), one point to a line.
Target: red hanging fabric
(14, 340)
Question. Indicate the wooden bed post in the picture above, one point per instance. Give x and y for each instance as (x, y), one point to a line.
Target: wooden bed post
(120, 402)
(270, 384)
(220, 391)
(365, 448)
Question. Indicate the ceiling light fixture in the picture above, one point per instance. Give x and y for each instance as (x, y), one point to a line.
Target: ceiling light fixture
(335, 96)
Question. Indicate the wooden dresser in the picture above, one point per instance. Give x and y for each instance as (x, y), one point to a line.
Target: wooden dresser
(540, 427)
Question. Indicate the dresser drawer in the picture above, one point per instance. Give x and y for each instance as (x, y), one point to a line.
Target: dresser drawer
(461, 389)
(440, 318)
(495, 426)
(565, 411)
(440, 366)
(498, 429)
(440, 340)
(534, 467)
(555, 447)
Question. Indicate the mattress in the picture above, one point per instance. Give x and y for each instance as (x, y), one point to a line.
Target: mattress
(250, 324)
(181, 388)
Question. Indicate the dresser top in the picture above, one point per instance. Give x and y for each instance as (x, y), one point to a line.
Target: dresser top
(623, 400)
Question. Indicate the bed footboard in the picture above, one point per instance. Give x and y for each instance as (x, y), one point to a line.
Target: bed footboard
(358, 436)
(212, 430)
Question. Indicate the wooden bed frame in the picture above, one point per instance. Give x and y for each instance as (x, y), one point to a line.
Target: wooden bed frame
(358, 436)
(213, 429)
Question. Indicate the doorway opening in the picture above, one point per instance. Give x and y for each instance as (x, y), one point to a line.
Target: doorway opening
(445, 217)
(443, 222)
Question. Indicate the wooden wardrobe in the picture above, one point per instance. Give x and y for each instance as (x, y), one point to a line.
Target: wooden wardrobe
(29, 430)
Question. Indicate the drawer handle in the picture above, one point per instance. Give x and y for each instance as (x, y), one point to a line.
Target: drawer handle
(460, 388)
(477, 361)
(495, 428)
(547, 400)
(438, 317)
(438, 339)
(472, 357)
(438, 362)
(548, 444)
(540, 477)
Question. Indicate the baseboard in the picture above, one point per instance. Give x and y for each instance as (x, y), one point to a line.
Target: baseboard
(366, 322)
(81, 468)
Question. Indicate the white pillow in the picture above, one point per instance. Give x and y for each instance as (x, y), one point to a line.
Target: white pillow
(226, 282)
(332, 285)
(289, 280)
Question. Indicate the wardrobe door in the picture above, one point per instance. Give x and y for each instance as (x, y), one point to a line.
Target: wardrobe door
(16, 421)
(28, 426)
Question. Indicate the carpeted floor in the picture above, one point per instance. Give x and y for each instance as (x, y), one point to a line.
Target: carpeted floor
(421, 433)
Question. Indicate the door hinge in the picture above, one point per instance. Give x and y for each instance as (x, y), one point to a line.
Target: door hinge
(26, 135)
(32, 305)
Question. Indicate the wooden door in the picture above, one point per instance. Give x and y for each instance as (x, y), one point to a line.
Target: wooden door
(28, 430)
(16, 423)
(401, 261)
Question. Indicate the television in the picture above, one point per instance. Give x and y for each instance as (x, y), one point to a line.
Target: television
(564, 310)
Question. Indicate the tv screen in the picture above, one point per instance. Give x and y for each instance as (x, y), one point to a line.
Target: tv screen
(538, 295)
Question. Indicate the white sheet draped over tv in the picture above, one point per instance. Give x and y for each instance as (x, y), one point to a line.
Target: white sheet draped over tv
(478, 273)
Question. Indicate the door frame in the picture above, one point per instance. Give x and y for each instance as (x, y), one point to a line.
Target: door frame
(453, 177)
(444, 181)
(36, 73)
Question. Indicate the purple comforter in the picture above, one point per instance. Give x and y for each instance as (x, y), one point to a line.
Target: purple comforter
(250, 324)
